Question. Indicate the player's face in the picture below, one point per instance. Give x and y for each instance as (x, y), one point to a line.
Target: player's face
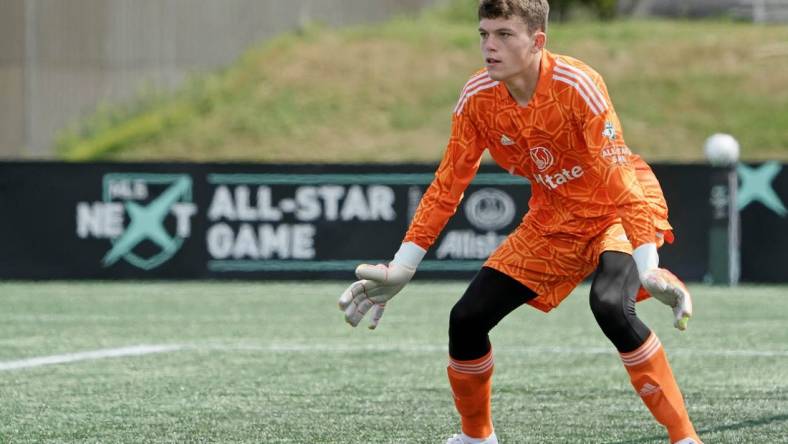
(508, 48)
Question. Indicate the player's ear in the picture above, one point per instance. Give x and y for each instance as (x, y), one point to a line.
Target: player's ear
(540, 40)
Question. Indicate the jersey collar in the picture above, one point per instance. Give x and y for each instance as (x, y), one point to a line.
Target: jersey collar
(542, 85)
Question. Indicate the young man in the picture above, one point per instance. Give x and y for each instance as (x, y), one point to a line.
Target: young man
(595, 206)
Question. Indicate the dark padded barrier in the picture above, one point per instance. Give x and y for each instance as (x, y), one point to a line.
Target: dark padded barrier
(250, 221)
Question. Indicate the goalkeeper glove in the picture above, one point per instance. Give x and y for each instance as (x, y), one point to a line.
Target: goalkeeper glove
(662, 284)
(379, 283)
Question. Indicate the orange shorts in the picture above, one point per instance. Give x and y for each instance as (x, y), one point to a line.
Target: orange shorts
(553, 265)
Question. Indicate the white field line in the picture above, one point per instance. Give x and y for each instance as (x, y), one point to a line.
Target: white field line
(136, 350)
(422, 348)
(139, 350)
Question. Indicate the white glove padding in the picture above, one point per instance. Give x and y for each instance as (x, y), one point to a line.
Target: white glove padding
(378, 284)
(663, 285)
(668, 289)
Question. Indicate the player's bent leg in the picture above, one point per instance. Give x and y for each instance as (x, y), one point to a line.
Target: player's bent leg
(613, 303)
(489, 298)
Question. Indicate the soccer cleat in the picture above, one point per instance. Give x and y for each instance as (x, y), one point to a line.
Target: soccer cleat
(668, 289)
(688, 441)
(462, 438)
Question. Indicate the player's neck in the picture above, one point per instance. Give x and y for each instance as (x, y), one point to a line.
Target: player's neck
(523, 86)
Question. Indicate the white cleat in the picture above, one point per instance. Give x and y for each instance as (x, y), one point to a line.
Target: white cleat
(462, 438)
(668, 289)
(687, 441)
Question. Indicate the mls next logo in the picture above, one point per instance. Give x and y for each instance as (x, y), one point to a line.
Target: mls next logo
(756, 186)
(146, 217)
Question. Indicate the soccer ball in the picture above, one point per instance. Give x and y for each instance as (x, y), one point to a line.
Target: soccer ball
(721, 149)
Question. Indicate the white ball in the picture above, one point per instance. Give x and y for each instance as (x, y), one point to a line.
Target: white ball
(721, 149)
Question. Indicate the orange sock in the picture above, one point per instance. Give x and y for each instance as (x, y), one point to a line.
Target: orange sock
(653, 380)
(471, 384)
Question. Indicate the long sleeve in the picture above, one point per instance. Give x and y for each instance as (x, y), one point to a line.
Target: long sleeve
(457, 169)
(612, 159)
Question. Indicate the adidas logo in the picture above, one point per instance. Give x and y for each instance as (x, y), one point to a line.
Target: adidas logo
(648, 389)
(506, 141)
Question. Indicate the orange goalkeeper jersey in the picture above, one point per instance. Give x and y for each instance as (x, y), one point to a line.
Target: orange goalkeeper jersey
(567, 142)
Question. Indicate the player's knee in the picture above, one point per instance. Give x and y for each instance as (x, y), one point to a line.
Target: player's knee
(469, 321)
(607, 308)
(467, 333)
(464, 320)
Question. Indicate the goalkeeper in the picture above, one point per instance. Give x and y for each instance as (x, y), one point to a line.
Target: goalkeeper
(595, 207)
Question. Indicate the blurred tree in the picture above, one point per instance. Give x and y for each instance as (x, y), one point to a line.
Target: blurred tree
(561, 10)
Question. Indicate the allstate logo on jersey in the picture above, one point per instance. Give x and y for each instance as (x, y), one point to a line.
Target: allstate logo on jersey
(542, 158)
(490, 209)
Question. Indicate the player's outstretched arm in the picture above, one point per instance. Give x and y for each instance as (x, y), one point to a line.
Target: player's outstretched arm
(379, 283)
(662, 284)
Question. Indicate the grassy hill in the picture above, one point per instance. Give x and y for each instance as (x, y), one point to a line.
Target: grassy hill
(384, 93)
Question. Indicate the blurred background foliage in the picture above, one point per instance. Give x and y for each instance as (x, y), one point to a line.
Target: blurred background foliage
(560, 10)
(384, 92)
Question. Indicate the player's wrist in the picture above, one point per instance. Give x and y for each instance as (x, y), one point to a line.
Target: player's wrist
(409, 255)
(646, 257)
